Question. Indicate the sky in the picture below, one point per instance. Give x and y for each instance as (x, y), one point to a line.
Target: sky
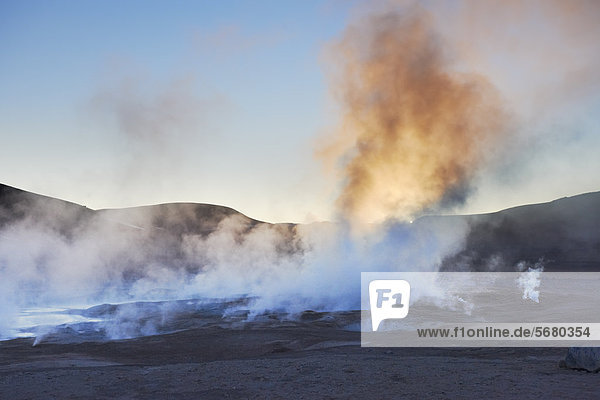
(124, 103)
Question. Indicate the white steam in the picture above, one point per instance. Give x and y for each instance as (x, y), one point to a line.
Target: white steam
(530, 280)
(280, 267)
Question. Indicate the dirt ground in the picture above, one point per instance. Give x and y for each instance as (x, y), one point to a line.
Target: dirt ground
(280, 361)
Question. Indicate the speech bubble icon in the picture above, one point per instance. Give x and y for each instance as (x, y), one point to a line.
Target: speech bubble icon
(389, 298)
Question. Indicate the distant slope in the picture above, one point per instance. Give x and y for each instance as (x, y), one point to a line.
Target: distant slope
(135, 238)
(176, 218)
(19, 205)
(565, 232)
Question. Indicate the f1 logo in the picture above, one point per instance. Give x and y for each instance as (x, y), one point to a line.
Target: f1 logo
(388, 299)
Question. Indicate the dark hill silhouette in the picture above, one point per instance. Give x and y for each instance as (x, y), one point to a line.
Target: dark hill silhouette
(564, 232)
(154, 234)
(17, 204)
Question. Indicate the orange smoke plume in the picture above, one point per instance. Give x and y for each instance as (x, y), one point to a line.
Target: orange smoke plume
(413, 130)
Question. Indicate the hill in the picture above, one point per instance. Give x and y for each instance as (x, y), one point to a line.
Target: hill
(565, 233)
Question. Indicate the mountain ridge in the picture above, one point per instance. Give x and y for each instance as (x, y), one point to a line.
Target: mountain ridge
(563, 233)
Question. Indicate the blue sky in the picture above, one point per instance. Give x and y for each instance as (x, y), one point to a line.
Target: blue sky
(259, 62)
(247, 80)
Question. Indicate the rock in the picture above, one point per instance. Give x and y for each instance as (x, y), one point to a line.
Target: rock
(587, 358)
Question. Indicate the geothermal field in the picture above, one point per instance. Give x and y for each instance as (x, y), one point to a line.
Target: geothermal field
(147, 309)
(310, 199)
